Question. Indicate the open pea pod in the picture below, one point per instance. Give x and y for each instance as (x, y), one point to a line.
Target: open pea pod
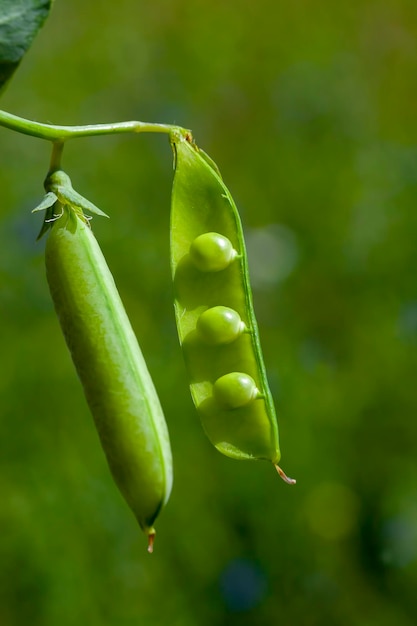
(214, 312)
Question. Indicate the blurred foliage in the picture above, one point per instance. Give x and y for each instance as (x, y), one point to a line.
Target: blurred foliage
(309, 110)
(20, 20)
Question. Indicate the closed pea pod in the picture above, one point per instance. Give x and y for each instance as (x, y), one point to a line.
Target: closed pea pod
(214, 312)
(110, 365)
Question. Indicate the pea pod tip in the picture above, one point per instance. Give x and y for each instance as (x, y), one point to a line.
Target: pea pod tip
(151, 539)
(285, 478)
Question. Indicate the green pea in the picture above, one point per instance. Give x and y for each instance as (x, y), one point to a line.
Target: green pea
(110, 365)
(212, 252)
(220, 325)
(235, 390)
(225, 365)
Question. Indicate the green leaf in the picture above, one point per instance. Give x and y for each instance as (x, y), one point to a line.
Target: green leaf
(68, 195)
(20, 20)
(52, 212)
(46, 202)
(59, 183)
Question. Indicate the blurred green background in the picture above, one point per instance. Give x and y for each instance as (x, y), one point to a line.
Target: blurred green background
(309, 109)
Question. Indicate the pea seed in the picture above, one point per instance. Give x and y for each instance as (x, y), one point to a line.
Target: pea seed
(211, 252)
(220, 325)
(235, 390)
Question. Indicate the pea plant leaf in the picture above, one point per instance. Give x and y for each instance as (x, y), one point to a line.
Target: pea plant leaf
(20, 20)
(68, 195)
(47, 201)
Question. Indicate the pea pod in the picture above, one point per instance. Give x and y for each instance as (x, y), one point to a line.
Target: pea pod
(110, 365)
(214, 312)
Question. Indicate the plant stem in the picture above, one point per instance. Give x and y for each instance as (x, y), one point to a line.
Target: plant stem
(59, 134)
(55, 163)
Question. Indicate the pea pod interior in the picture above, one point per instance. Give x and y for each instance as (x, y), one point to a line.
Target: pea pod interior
(203, 213)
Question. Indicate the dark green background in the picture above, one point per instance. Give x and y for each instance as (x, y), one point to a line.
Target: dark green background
(310, 111)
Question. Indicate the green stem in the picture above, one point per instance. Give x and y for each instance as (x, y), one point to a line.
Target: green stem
(59, 134)
(57, 148)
